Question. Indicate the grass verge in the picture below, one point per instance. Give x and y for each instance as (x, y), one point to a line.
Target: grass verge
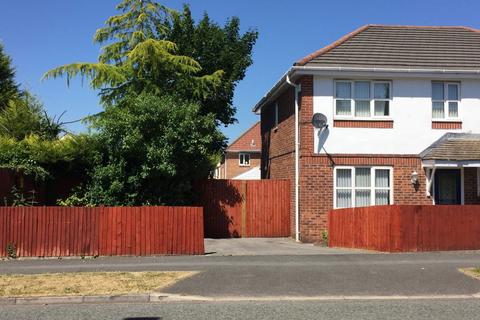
(471, 272)
(87, 283)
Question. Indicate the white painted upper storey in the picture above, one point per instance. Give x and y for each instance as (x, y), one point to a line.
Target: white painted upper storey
(410, 110)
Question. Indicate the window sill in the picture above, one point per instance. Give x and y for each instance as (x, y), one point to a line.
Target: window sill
(340, 118)
(448, 120)
(363, 123)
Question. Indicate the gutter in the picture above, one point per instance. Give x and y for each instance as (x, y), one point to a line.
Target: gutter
(302, 70)
(298, 89)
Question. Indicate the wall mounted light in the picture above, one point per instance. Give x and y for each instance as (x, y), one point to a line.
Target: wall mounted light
(414, 178)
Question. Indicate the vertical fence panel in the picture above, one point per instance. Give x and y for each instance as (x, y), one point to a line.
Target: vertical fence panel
(245, 208)
(61, 231)
(406, 228)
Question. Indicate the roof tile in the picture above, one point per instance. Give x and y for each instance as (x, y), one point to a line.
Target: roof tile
(414, 47)
(250, 140)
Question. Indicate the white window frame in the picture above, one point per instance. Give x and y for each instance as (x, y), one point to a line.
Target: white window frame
(372, 100)
(446, 101)
(353, 188)
(244, 155)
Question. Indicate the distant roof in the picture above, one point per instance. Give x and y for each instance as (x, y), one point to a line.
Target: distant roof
(250, 140)
(454, 147)
(416, 47)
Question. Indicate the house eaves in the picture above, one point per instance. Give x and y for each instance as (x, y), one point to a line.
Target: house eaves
(349, 56)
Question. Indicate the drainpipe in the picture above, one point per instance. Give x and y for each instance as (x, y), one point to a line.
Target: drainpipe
(298, 89)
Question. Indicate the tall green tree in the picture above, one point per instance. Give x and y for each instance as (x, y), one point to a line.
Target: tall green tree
(9, 90)
(215, 47)
(151, 150)
(25, 115)
(137, 58)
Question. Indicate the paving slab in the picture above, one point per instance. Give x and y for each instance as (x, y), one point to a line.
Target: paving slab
(269, 247)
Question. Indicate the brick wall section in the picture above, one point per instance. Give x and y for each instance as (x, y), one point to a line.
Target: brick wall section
(233, 166)
(306, 114)
(363, 124)
(446, 125)
(471, 186)
(278, 144)
(316, 185)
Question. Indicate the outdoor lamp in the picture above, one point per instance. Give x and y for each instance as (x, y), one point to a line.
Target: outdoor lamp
(414, 178)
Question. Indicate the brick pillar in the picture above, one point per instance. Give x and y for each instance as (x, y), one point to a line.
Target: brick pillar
(306, 113)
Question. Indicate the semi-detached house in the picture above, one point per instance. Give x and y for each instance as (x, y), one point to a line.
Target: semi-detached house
(402, 110)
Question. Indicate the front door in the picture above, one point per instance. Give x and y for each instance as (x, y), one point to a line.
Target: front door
(448, 188)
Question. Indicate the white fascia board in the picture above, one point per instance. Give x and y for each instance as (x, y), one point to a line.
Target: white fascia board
(386, 72)
(276, 90)
(450, 164)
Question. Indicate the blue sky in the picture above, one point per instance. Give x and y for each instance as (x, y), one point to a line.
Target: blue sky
(40, 35)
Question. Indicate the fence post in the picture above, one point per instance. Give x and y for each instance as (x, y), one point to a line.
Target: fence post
(244, 208)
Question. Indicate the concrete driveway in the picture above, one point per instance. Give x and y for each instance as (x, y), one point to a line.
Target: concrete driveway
(267, 247)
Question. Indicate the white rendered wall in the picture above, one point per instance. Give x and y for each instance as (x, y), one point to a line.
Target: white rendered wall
(410, 110)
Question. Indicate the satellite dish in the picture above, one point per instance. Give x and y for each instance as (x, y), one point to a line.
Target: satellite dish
(319, 120)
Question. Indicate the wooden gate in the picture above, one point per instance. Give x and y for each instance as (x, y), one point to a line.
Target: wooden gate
(245, 208)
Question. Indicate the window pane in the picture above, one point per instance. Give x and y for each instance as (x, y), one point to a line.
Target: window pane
(437, 91)
(247, 159)
(382, 178)
(362, 108)
(343, 90)
(438, 111)
(453, 109)
(381, 91)
(362, 198)
(344, 178)
(344, 198)
(344, 107)
(241, 158)
(362, 177)
(382, 197)
(362, 90)
(452, 92)
(382, 108)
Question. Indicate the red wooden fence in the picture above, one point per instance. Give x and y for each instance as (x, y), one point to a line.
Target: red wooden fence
(406, 228)
(245, 208)
(104, 231)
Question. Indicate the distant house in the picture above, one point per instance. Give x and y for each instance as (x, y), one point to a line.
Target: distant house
(396, 111)
(242, 157)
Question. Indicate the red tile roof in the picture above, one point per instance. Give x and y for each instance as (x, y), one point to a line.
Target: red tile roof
(250, 140)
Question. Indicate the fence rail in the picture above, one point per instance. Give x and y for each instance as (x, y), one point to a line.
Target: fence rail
(104, 231)
(245, 208)
(406, 228)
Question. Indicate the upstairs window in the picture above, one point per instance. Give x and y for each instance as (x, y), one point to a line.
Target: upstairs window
(445, 100)
(362, 99)
(362, 186)
(244, 159)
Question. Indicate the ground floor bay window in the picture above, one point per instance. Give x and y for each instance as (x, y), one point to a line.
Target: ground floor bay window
(362, 186)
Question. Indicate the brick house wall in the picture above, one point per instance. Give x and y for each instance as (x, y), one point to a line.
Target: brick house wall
(278, 145)
(249, 142)
(233, 166)
(471, 186)
(317, 170)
